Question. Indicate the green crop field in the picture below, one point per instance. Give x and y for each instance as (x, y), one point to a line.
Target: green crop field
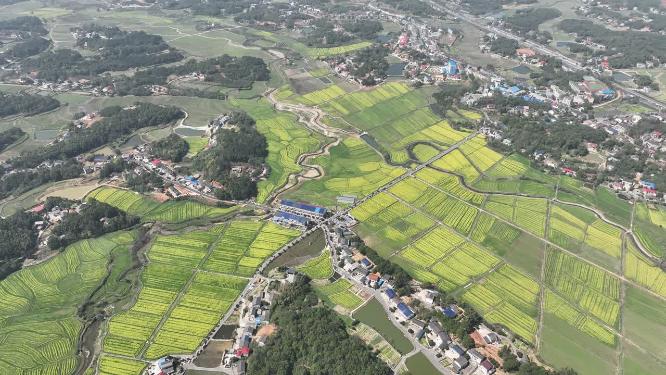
(150, 210)
(40, 329)
(592, 289)
(340, 293)
(507, 297)
(456, 162)
(644, 321)
(178, 304)
(374, 315)
(649, 224)
(371, 337)
(527, 213)
(481, 156)
(352, 168)
(424, 153)
(641, 270)
(119, 366)
(319, 267)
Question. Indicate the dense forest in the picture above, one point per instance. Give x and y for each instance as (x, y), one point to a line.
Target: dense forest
(18, 240)
(228, 71)
(9, 136)
(173, 148)
(210, 7)
(116, 50)
(25, 104)
(24, 180)
(624, 48)
(311, 339)
(370, 64)
(329, 34)
(552, 73)
(556, 139)
(241, 145)
(116, 123)
(526, 20)
(27, 48)
(24, 26)
(504, 46)
(92, 220)
(415, 7)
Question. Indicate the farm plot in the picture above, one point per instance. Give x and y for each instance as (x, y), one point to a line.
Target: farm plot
(639, 269)
(395, 114)
(649, 226)
(202, 305)
(564, 310)
(40, 329)
(507, 297)
(352, 168)
(604, 237)
(360, 100)
(150, 210)
(388, 223)
(592, 289)
(373, 339)
(321, 96)
(319, 267)
(456, 162)
(424, 153)
(172, 262)
(450, 184)
(333, 51)
(453, 212)
(511, 166)
(527, 213)
(440, 133)
(119, 366)
(340, 293)
(479, 154)
(245, 245)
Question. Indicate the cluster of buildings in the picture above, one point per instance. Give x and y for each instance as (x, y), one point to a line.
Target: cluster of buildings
(298, 214)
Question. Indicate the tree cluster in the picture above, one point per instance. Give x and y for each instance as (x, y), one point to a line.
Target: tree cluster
(117, 123)
(624, 48)
(558, 138)
(26, 104)
(552, 73)
(24, 180)
(18, 240)
(24, 26)
(228, 71)
(240, 144)
(9, 136)
(92, 220)
(311, 339)
(370, 64)
(26, 48)
(213, 8)
(116, 50)
(144, 182)
(449, 96)
(504, 46)
(415, 7)
(526, 20)
(173, 148)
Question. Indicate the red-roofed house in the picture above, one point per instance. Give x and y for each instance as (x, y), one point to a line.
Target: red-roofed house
(156, 162)
(243, 352)
(38, 208)
(650, 193)
(569, 172)
(525, 52)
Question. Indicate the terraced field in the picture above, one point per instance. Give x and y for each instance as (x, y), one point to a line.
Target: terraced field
(179, 304)
(150, 210)
(40, 329)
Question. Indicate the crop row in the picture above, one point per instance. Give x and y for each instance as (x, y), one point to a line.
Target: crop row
(451, 184)
(319, 267)
(592, 288)
(565, 311)
(455, 161)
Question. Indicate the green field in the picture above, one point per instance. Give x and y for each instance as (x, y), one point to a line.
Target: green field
(40, 328)
(374, 315)
(352, 168)
(340, 293)
(149, 210)
(319, 267)
(419, 364)
(179, 304)
(645, 321)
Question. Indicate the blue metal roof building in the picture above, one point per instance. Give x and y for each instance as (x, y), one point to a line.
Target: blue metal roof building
(390, 293)
(405, 310)
(317, 210)
(290, 218)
